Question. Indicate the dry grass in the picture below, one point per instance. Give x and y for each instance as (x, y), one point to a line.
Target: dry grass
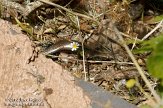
(102, 28)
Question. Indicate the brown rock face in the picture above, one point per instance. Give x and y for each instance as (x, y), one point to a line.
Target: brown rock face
(39, 84)
(43, 83)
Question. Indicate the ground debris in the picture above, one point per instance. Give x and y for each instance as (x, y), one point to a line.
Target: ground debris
(60, 26)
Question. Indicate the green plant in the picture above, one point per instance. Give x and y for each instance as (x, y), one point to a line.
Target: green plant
(154, 47)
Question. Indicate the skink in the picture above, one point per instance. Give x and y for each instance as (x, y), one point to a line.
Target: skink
(62, 45)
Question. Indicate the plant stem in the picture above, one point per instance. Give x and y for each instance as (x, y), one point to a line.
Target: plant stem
(156, 96)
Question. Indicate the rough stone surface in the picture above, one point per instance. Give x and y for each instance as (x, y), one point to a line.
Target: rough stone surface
(43, 83)
(42, 80)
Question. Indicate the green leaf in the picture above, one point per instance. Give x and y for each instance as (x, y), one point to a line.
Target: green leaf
(155, 61)
(155, 65)
(142, 50)
(149, 45)
(155, 19)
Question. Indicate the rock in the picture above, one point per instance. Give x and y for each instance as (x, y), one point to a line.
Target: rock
(43, 83)
(20, 80)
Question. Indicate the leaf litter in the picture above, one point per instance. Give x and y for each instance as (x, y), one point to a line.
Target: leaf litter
(62, 28)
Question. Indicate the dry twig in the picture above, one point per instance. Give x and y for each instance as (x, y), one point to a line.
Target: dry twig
(85, 73)
(25, 11)
(67, 10)
(92, 61)
(153, 30)
(156, 96)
